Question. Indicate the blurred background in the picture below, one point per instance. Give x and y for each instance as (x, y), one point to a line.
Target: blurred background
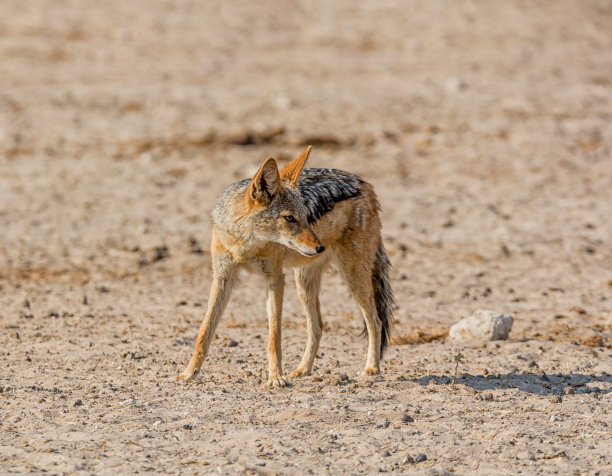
(485, 127)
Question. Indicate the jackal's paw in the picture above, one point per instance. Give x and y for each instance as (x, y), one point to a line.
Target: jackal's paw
(277, 382)
(371, 371)
(187, 375)
(299, 372)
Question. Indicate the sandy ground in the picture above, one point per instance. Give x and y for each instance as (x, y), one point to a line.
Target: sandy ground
(486, 129)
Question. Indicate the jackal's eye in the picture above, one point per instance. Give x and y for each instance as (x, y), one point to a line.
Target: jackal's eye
(289, 218)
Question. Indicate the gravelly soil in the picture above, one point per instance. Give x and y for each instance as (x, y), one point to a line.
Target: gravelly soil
(486, 129)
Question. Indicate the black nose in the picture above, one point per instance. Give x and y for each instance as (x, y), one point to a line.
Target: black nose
(320, 249)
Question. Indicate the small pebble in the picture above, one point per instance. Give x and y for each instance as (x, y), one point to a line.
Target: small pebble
(385, 454)
(383, 424)
(569, 390)
(488, 397)
(232, 343)
(343, 377)
(187, 427)
(417, 458)
(407, 418)
(555, 399)
(78, 403)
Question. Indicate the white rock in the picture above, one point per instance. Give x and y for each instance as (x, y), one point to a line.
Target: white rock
(482, 325)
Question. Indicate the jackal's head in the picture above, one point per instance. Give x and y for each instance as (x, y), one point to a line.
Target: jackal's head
(276, 210)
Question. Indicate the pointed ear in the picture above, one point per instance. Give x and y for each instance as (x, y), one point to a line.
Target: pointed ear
(265, 183)
(293, 169)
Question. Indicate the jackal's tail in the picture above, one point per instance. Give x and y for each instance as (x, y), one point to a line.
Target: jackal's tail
(383, 295)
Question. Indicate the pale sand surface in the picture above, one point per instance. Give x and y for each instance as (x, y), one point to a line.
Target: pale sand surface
(486, 129)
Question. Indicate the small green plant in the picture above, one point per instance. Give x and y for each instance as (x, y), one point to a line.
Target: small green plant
(458, 357)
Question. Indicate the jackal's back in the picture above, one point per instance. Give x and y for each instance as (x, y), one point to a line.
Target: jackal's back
(321, 189)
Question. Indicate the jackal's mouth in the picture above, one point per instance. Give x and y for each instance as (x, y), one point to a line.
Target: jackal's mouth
(319, 249)
(305, 252)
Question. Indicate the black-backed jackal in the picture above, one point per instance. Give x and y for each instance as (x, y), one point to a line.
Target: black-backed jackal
(304, 219)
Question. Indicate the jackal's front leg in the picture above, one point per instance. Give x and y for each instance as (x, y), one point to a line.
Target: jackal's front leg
(219, 295)
(308, 283)
(276, 286)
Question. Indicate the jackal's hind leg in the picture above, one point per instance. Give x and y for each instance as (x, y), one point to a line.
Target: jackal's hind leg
(358, 276)
(308, 283)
